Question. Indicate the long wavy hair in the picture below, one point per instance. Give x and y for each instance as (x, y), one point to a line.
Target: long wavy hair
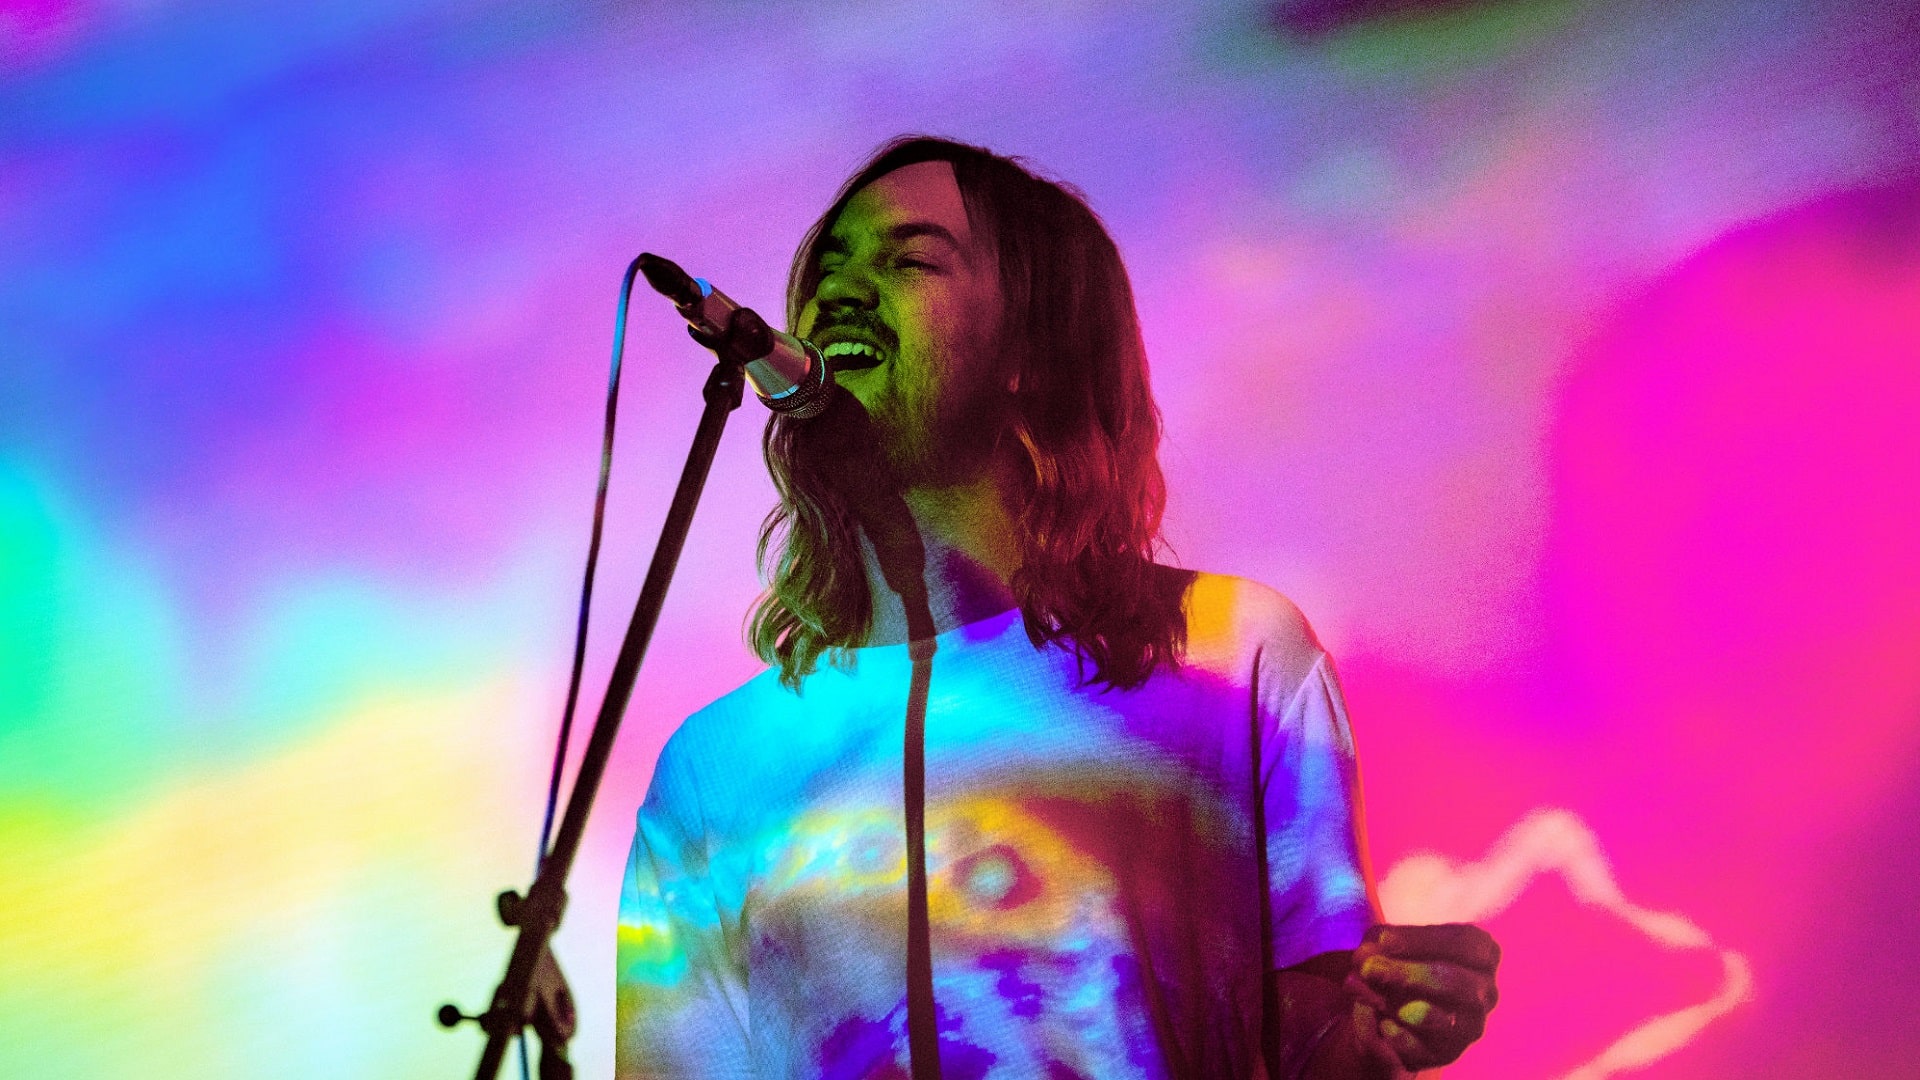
(1080, 422)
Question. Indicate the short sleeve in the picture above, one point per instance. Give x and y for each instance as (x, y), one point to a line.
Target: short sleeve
(1316, 869)
(681, 960)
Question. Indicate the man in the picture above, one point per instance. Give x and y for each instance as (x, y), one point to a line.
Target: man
(1132, 846)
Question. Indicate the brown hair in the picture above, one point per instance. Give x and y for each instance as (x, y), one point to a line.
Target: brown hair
(1089, 494)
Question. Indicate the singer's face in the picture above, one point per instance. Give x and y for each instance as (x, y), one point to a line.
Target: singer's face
(907, 312)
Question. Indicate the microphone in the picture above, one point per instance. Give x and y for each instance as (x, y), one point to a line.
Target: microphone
(787, 373)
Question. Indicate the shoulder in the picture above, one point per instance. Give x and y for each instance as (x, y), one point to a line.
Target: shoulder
(716, 730)
(1236, 623)
(706, 749)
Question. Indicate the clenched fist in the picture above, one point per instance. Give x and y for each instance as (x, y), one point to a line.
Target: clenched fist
(1421, 994)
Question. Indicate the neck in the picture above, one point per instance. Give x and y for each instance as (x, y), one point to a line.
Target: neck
(944, 557)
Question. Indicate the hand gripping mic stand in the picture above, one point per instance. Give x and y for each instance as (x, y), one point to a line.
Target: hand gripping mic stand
(533, 992)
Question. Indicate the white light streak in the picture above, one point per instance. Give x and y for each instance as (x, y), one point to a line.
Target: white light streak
(1427, 888)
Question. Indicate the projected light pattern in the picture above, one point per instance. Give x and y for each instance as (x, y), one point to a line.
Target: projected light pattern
(1094, 892)
(1429, 888)
(1557, 358)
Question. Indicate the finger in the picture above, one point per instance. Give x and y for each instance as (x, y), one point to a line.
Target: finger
(1412, 1052)
(1459, 943)
(1457, 988)
(1374, 1048)
(1424, 1038)
(707, 341)
(1437, 1026)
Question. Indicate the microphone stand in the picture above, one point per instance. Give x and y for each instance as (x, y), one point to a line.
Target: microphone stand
(533, 991)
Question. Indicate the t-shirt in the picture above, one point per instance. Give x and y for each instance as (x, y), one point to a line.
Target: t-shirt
(1098, 900)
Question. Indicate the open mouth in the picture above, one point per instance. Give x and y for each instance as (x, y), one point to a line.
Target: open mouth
(851, 356)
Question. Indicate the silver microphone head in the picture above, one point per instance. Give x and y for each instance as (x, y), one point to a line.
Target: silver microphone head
(792, 378)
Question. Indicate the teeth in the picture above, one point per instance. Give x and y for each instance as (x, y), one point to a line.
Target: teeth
(849, 348)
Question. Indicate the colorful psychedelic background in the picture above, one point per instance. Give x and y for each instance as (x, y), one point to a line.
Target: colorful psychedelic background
(1561, 360)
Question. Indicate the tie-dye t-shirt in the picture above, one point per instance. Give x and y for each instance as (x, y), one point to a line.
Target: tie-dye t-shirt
(1094, 859)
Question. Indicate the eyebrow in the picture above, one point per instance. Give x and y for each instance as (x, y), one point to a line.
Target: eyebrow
(907, 230)
(912, 229)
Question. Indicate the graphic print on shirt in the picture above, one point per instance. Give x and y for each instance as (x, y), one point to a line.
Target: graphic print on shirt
(1094, 860)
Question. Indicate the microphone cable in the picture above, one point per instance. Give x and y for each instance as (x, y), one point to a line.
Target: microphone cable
(586, 593)
(593, 562)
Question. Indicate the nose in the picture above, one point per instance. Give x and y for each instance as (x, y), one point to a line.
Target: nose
(844, 287)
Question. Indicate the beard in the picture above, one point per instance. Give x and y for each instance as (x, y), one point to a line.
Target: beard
(849, 456)
(928, 434)
(842, 472)
(929, 422)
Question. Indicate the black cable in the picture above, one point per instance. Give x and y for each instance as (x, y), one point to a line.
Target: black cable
(586, 598)
(923, 1039)
(586, 583)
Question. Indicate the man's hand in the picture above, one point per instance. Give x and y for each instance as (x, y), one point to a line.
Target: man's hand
(1422, 993)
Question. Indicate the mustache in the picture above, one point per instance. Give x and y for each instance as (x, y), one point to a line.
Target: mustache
(861, 323)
